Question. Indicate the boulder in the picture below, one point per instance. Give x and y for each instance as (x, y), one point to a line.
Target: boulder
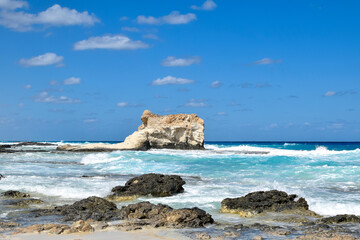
(179, 131)
(146, 213)
(156, 185)
(95, 208)
(338, 219)
(269, 201)
(15, 194)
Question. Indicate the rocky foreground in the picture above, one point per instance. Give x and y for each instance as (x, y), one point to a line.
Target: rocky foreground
(263, 215)
(179, 131)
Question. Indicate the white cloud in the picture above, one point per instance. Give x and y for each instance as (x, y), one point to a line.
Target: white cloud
(28, 86)
(180, 62)
(72, 81)
(330, 93)
(12, 4)
(21, 105)
(173, 18)
(53, 16)
(130, 29)
(266, 61)
(43, 60)
(150, 36)
(196, 103)
(115, 42)
(90, 120)
(221, 114)
(216, 84)
(44, 97)
(339, 93)
(126, 104)
(122, 104)
(207, 6)
(169, 80)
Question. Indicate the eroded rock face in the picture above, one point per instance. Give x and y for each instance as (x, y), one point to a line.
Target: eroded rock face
(179, 131)
(146, 213)
(268, 201)
(156, 185)
(95, 208)
(14, 194)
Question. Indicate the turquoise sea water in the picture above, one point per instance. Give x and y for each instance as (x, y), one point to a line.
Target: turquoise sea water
(326, 174)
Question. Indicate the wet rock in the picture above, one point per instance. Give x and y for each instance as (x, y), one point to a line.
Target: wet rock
(144, 210)
(338, 219)
(49, 228)
(202, 236)
(257, 238)
(164, 216)
(269, 201)
(8, 226)
(82, 226)
(95, 208)
(15, 194)
(156, 185)
(1, 176)
(188, 217)
(34, 144)
(52, 228)
(326, 236)
(25, 202)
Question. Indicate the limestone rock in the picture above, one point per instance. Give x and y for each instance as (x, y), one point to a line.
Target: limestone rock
(268, 201)
(179, 131)
(156, 185)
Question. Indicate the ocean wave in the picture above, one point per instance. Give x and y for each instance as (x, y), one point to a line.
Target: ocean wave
(319, 151)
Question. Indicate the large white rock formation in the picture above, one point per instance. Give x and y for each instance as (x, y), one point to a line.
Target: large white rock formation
(179, 131)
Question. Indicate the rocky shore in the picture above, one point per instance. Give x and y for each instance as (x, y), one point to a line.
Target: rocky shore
(280, 215)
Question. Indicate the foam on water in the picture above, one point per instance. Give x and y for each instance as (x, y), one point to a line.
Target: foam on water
(328, 179)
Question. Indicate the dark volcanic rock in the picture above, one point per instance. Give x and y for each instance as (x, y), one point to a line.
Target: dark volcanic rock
(25, 202)
(1, 176)
(157, 185)
(268, 201)
(95, 208)
(345, 218)
(164, 216)
(15, 194)
(33, 144)
(144, 210)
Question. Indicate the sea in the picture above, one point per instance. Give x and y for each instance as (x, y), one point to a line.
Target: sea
(326, 174)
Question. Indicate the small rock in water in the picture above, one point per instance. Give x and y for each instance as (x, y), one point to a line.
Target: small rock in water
(1, 176)
(269, 201)
(15, 194)
(156, 185)
(326, 236)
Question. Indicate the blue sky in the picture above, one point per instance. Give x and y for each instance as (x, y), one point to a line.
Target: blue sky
(253, 69)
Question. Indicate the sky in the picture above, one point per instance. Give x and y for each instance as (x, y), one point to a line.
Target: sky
(254, 70)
